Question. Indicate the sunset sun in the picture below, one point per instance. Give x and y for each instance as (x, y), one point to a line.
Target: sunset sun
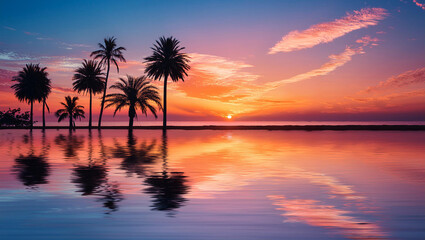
(229, 116)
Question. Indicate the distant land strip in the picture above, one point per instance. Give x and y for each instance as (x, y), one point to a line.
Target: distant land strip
(258, 127)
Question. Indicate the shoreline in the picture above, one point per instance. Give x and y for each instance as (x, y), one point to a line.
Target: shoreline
(254, 127)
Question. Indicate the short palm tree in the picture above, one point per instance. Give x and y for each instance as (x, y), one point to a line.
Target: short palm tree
(108, 52)
(32, 85)
(136, 93)
(89, 79)
(166, 61)
(72, 111)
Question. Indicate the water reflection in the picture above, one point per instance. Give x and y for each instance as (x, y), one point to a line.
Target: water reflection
(167, 188)
(92, 179)
(70, 144)
(32, 169)
(307, 185)
(328, 216)
(135, 156)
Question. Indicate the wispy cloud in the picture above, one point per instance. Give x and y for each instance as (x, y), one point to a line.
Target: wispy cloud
(328, 31)
(9, 28)
(367, 40)
(421, 5)
(390, 97)
(336, 61)
(32, 33)
(63, 90)
(401, 80)
(219, 78)
(12, 56)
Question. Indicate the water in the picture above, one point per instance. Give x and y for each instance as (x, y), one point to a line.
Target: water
(236, 123)
(212, 185)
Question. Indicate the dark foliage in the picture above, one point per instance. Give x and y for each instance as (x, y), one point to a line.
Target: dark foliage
(14, 118)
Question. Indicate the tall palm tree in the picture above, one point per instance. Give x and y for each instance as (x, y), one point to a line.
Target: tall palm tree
(137, 93)
(108, 52)
(32, 85)
(71, 111)
(166, 61)
(89, 79)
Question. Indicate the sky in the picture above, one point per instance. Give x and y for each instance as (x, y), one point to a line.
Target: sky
(253, 60)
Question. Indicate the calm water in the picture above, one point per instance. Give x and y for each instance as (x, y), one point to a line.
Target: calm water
(236, 123)
(212, 185)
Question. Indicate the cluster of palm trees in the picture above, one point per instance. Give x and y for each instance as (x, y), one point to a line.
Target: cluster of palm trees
(135, 93)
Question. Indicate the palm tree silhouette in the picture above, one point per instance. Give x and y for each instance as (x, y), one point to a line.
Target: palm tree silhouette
(71, 111)
(166, 61)
(137, 93)
(32, 85)
(89, 78)
(108, 52)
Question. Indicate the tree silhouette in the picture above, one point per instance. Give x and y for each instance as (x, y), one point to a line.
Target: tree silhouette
(89, 79)
(136, 93)
(32, 85)
(72, 111)
(108, 52)
(166, 61)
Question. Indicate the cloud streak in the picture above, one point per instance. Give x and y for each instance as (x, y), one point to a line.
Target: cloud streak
(329, 31)
(421, 5)
(401, 80)
(336, 61)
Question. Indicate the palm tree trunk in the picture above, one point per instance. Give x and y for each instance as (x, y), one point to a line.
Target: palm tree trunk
(31, 116)
(70, 122)
(90, 109)
(131, 114)
(104, 94)
(130, 123)
(164, 117)
(44, 117)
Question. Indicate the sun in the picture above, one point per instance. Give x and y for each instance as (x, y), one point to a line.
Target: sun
(229, 116)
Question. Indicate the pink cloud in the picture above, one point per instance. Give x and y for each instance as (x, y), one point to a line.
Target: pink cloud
(336, 61)
(329, 31)
(390, 97)
(401, 80)
(421, 5)
(367, 40)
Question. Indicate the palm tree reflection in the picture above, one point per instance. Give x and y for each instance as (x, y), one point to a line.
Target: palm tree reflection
(70, 144)
(32, 169)
(167, 188)
(92, 179)
(135, 157)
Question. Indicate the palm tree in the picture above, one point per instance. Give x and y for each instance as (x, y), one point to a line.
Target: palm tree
(137, 92)
(71, 111)
(32, 85)
(89, 78)
(166, 61)
(108, 52)
(45, 85)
